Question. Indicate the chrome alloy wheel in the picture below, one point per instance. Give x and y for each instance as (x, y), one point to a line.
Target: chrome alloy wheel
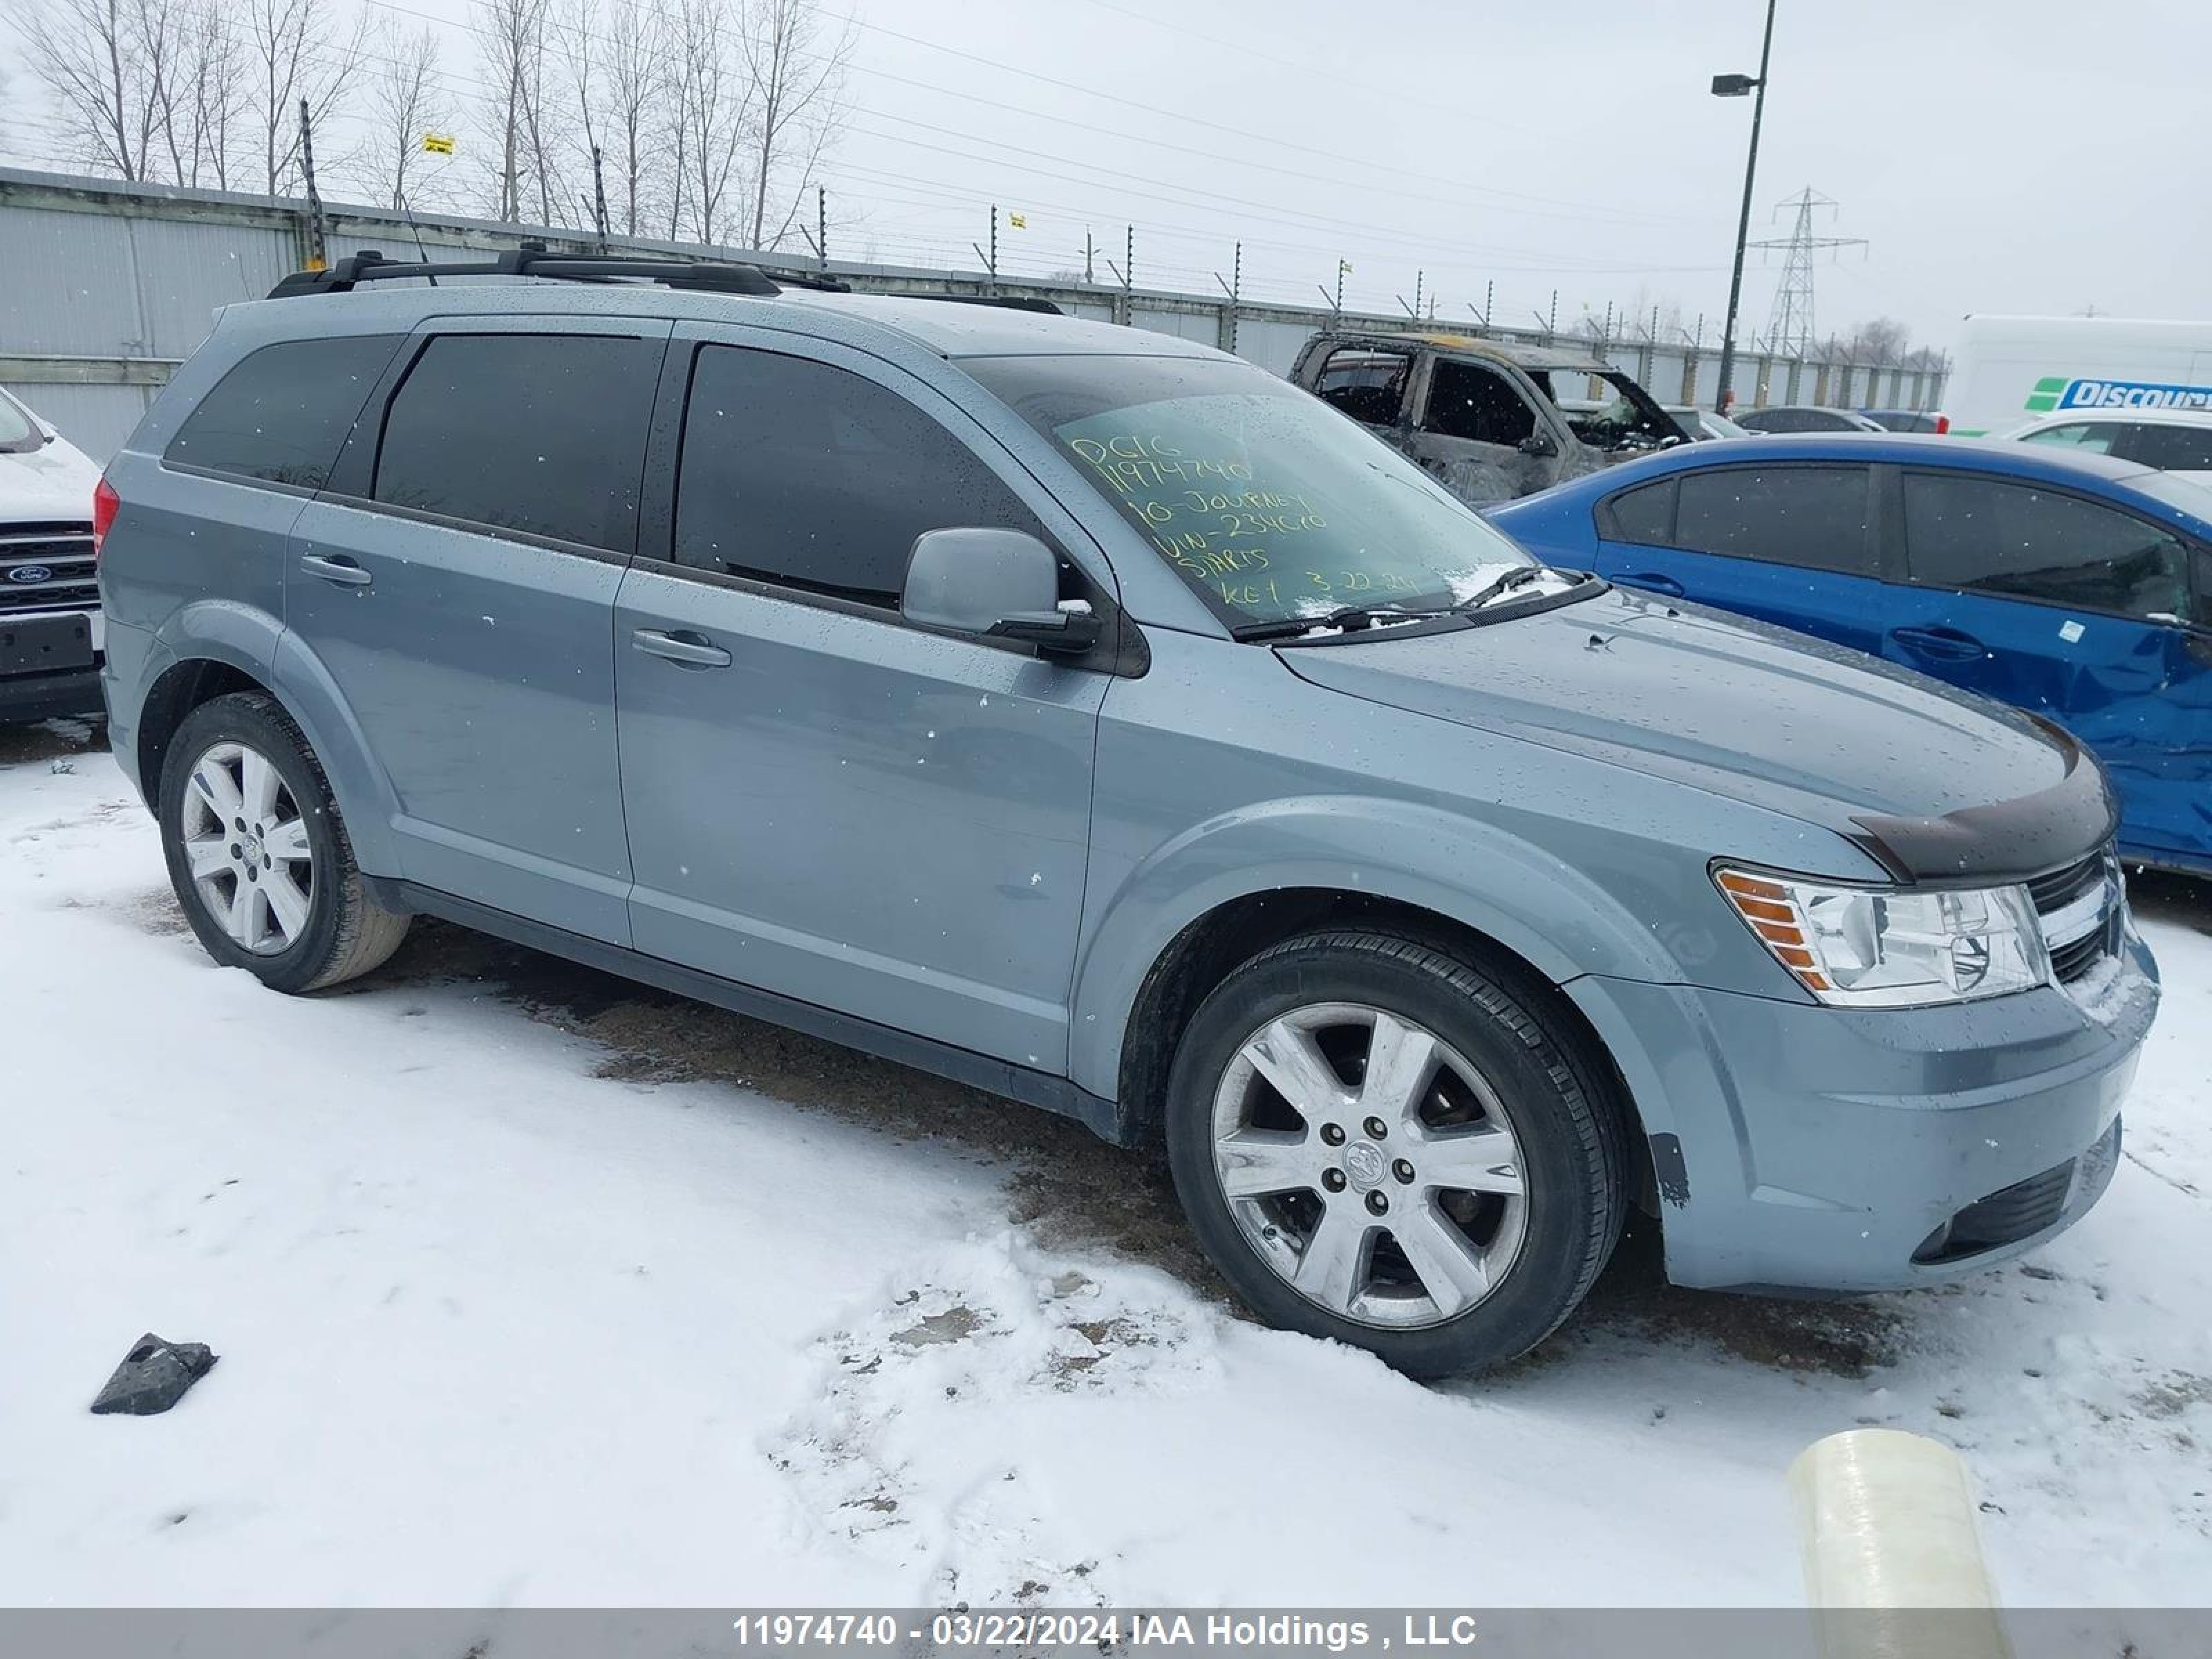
(245, 844)
(1370, 1165)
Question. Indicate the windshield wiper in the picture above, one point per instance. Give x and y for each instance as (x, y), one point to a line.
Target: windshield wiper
(1519, 576)
(1344, 617)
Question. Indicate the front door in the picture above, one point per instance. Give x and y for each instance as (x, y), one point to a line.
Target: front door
(2073, 609)
(825, 801)
(1482, 434)
(458, 583)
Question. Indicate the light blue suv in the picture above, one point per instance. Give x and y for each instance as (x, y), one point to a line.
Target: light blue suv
(1095, 719)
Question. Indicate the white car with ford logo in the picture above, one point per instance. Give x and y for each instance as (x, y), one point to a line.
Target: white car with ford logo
(49, 625)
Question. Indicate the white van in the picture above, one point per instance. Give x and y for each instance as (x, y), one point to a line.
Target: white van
(2011, 369)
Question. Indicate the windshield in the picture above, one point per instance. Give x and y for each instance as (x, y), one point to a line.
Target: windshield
(17, 429)
(1269, 503)
(1609, 411)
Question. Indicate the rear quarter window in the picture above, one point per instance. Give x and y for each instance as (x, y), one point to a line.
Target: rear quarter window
(281, 414)
(1644, 514)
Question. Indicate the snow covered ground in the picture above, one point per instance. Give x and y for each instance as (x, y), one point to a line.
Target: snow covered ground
(530, 1288)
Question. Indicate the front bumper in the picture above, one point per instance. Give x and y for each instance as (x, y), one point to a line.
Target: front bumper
(57, 693)
(73, 692)
(1815, 1149)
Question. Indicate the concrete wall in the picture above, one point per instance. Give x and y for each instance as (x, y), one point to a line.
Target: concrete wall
(104, 288)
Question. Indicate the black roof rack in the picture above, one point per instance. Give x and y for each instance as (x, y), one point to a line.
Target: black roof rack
(1003, 301)
(533, 260)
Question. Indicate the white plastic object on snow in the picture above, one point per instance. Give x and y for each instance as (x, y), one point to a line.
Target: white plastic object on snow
(1887, 1522)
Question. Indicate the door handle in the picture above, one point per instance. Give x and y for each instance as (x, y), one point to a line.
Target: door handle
(335, 567)
(692, 650)
(1651, 580)
(1941, 644)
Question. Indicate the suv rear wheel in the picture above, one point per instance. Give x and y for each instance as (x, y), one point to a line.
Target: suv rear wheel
(1379, 1143)
(256, 853)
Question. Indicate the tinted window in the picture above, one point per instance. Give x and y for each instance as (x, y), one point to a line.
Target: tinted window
(2094, 436)
(796, 472)
(1997, 538)
(1369, 386)
(1472, 402)
(1771, 420)
(1646, 515)
(2172, 449)
(539, 433)
(1811, 516)
(281, 414)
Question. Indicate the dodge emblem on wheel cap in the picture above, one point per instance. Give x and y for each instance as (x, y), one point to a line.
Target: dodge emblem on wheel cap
(1363, 1162)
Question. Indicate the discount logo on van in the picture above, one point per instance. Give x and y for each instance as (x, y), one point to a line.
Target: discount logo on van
(2056, 392)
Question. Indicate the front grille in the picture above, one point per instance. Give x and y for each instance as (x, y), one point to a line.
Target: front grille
(2017, 1212)
(2081, 908)
(46, 567)
(2061, 887)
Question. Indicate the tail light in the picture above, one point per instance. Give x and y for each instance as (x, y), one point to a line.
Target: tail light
(105, 501)
(1942, 424)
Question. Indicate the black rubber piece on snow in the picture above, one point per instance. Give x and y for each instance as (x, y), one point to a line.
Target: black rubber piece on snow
(154, 1375)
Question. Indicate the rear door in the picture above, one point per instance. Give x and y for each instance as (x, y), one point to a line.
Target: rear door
(2073, 608)
(1791, 544)
(2170, 447)
(457, 581)
(825, 800)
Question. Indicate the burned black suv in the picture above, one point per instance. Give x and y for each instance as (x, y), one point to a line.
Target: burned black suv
(1492, 422)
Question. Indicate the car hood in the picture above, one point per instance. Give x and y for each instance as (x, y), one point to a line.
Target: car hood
(1754, 713)
(54, 482)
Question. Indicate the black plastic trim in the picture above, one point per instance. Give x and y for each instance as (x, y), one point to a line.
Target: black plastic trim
(2005, 841)
(1107, 1118)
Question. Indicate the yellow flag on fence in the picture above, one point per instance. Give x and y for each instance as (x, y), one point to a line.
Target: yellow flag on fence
(438, 144)
(1018, 220)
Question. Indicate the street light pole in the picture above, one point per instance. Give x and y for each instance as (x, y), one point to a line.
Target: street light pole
(1735, 86)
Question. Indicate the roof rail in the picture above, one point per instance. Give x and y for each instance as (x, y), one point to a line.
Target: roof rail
(1003, 301)
(533, 260)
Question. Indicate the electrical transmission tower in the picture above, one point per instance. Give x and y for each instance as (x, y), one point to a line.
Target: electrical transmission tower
(1790, 328)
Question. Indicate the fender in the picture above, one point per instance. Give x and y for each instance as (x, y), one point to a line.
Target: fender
(367, 800)
(1549, 915)
(256, 643)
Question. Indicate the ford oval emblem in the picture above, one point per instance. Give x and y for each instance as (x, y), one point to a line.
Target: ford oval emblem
(29, 573)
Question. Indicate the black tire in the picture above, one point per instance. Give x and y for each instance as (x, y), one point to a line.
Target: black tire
(346, 932)
(1563, 1109)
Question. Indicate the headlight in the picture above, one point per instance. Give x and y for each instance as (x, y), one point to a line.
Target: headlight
(1874, 947)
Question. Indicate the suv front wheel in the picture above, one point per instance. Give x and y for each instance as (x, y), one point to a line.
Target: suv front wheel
(1378, 1143)
(256, 853)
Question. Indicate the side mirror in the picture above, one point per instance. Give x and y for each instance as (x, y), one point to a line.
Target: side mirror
(1002, 583)
(1538, 444)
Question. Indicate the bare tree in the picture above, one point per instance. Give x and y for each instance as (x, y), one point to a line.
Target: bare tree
(1883, 340)
(711, 106)
(298, 50)
(214, 101)
(515, 39)
(403, 97)
(618, 81)
(796, 88)
(107, 77)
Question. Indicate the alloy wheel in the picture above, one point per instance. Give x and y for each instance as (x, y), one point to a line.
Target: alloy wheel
(245, 844)
(1370, 1165)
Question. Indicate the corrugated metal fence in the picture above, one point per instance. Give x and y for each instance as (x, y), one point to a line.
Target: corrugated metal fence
(104, 288)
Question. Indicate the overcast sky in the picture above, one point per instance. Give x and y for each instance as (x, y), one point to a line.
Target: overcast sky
(1997, 156)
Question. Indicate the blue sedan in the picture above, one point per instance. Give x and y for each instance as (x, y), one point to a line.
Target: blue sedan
(2073, 585)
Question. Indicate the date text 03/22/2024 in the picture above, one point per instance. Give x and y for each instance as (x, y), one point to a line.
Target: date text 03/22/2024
(987, 1630)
